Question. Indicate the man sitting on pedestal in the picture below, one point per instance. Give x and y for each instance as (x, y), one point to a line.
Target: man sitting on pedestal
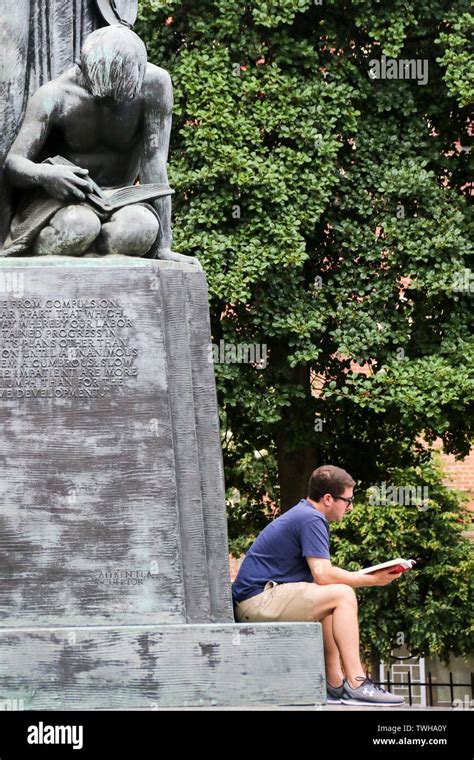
(287, 575)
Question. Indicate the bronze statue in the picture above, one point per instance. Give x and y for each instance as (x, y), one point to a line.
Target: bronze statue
(118, 11)
(101, 125)
(38, 41)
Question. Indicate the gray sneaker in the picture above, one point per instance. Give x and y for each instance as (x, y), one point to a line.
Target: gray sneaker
(334, 694)
(369, 694)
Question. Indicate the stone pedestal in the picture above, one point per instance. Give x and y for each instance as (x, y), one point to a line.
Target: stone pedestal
(114, 580)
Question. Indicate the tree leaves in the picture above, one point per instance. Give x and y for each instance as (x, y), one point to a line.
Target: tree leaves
(330, 212)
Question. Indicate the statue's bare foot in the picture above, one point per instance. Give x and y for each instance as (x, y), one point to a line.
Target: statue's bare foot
(168, 255)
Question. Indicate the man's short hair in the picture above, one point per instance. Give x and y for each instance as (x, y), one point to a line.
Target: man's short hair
(113, 63)
(328, 479)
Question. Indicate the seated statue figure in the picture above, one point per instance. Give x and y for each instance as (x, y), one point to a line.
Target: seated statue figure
(109, 116)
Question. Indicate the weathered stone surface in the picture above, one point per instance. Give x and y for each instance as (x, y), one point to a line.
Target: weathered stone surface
(100, 417)
(114, 579)
(163, 666)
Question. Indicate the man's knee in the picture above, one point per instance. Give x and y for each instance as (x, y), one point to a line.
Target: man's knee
(335, 595)
(345, 594)
(70, 232)
(131, 230)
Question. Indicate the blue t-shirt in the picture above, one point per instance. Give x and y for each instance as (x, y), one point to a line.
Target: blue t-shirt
(278, 554)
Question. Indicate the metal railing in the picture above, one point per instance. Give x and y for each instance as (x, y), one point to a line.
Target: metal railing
(430, 684)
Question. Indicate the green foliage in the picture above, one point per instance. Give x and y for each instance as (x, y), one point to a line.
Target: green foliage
(330, 213)
(458, 56)
(251, 508)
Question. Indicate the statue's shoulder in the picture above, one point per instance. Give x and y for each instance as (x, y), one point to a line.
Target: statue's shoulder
(54, 91)
(156, 79)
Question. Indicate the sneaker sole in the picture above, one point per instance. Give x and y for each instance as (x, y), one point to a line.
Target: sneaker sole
(333, 701)
(371, 704)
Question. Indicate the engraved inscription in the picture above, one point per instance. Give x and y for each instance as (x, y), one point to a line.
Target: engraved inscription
(64, 347)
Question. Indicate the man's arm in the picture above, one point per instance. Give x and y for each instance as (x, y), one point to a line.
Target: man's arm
(324, 572)
(59, 181)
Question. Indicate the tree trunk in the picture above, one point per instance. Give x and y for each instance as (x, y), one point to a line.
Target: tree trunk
(295, 464)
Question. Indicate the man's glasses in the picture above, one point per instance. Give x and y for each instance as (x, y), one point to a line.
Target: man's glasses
(348, 501)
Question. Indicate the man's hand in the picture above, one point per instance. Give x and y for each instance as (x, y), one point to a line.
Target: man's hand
(324, 572)
(381, 577)
(66, 183)
(168, 255)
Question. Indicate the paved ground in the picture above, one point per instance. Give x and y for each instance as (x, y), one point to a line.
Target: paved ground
(318, 708)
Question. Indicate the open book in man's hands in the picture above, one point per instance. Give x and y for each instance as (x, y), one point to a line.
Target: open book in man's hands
(398, 565)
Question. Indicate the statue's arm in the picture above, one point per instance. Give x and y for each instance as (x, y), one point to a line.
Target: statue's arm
(20, 163)
(62, 182)
(157, 128)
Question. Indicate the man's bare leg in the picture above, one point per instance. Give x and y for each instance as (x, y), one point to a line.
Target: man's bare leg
(341, 601)
(332, 658)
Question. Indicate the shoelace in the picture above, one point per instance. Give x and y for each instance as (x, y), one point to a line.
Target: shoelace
(371, 683)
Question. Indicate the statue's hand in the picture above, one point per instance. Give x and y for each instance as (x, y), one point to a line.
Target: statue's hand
(66, 183)
(169, 255)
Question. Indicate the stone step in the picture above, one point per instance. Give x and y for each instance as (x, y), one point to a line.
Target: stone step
(149, 667)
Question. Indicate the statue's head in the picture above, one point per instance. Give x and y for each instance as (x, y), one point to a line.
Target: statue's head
(113, 63)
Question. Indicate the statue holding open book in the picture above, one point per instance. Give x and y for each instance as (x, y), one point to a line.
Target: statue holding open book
(87, 137)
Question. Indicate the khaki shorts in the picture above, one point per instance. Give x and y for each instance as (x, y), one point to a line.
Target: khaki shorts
(289, 602)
